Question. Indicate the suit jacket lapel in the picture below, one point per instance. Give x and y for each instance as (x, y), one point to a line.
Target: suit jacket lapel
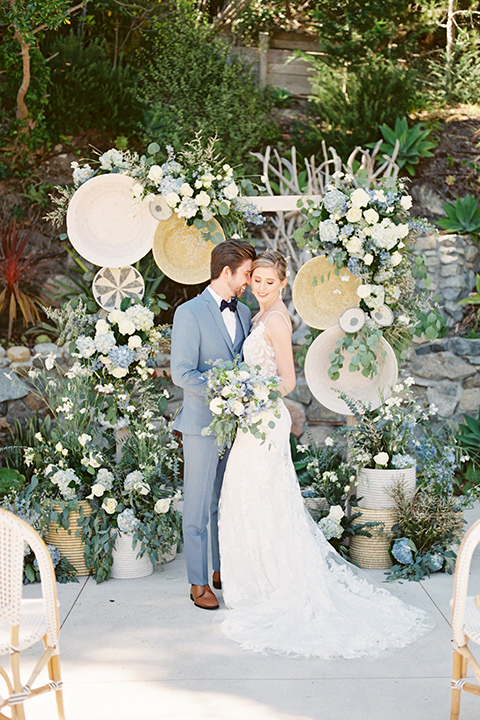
(217, 316)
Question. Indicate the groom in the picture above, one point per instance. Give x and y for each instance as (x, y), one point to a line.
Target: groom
(210, 327)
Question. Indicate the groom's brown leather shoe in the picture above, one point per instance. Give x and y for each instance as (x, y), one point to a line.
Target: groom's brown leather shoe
(203, 597)
(217, 583)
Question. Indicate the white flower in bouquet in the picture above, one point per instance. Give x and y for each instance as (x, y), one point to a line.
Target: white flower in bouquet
(231, 191)
(202, 199)
(134, 342)
(371, 216)
(104, 342)
(142, 317)
(162, 506)
(406, 202)
(216, 406)
(86, 346)
(84, 438)
(381, 458)
(126, 326)
(155, 173)
(354, 215)
(172, 199)
(336, 512)
(186, 190)
(105, 478)
(97, 490)
(111, 159)
(109, 505)
(360, 198)
(101, 326)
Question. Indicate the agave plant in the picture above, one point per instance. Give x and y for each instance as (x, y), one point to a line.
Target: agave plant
(463, 217)
(23, 273)
(468, 437)
(414, 143)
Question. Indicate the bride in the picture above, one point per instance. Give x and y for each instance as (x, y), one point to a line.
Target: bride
(286, 588)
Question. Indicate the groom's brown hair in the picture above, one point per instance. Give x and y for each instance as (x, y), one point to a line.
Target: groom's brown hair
(230, 253)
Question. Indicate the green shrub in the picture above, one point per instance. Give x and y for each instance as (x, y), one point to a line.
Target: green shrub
(463, 84)
(376, 93)
(86, 91)
(414, 143)
(463, 217)
(187, 83)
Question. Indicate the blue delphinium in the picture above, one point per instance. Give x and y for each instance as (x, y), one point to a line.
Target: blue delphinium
(402, 461)
(402, 551)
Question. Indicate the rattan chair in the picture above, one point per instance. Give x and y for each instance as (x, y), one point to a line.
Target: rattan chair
(465, 623)
(25, 622)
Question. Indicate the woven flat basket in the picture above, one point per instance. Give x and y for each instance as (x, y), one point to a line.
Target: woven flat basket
(67, 542)
(372, 552)
(315, 506)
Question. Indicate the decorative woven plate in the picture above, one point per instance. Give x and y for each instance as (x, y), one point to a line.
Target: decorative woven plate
(159, 208)
(353, 384)
(181, 252)
(111, 285)
(105, 223)
(320, 295)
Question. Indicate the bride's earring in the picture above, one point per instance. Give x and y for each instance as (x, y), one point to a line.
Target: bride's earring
(281, 293)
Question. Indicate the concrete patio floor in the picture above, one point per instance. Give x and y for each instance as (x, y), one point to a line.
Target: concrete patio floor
(139, 649)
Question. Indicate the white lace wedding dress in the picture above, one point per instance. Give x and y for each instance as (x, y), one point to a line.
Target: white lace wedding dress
(288, 591)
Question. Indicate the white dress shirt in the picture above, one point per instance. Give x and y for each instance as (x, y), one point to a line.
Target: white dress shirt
(229, 317)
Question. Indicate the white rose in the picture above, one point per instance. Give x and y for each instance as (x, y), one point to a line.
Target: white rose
(231, 191)
(381, 458)
(155, 173)
(162, 506)
(368, 258)
(202, 199)
(101, 327)
(227, 390)
(363, 291)
(360, 198)
(118, 372)
(371, 216)
(238, 408)
(406, 202)
(116, 316)
(396, 258)
(97, 490)
(126, 327)
(92, 461)
(172, 199)
(144, 488)
(401, 230)
(336, 513)
(186, 190)
(354, 214)
(243, 375)
(134, 341)
(216, 406)
(109, 505)
(328, 441)
(354, 245)
(84, 438)
(261, 394)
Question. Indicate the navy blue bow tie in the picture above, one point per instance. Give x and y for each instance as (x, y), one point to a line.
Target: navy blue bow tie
(232, 305)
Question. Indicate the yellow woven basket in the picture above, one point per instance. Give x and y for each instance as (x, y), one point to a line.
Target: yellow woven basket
(372, 552)
(67, 542)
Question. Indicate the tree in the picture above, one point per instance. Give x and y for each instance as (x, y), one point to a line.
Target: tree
(27, 18)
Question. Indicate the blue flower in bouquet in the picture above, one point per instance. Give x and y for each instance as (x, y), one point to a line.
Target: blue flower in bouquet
(122, 356)
(54, 554)
(126, 521)
(403, 461)
(402, 551)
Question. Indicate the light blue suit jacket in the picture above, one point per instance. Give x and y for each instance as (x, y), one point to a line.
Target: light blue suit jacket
(199, 335)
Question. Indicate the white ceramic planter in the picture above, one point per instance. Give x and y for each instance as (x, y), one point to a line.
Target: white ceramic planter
(374, 485)
(125, 562)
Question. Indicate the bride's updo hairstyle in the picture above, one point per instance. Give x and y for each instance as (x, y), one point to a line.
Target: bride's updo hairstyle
(272, 258)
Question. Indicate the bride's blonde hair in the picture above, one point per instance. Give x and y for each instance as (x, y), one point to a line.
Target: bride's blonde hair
(272, 258)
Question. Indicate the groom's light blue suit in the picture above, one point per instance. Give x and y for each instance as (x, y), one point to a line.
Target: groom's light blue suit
(199, 336)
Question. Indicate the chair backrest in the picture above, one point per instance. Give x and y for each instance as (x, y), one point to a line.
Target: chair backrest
(462, 571)
(14, 533)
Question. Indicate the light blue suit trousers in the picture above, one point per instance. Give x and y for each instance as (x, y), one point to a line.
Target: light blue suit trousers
(199, 335)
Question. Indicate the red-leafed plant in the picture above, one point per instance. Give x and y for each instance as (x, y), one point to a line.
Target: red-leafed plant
(23, 272)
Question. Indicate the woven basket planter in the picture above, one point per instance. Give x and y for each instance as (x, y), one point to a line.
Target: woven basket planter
(372, 552)
(68, 542)
(373, 486)
(315, 506)
(126, 564)
(169, 555)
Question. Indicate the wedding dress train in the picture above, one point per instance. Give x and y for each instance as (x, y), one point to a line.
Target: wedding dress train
(288, 591)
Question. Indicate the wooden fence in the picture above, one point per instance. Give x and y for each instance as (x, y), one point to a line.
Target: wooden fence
(276, 62)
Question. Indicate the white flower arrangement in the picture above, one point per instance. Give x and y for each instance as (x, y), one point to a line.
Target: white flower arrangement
(196, 184)
(368, 231)
(240, 398)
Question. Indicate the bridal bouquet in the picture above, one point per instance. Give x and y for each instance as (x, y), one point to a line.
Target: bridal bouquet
(240, 398)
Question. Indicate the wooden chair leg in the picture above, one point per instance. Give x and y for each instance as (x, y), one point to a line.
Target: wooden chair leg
(55, 674)
(458, 672)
